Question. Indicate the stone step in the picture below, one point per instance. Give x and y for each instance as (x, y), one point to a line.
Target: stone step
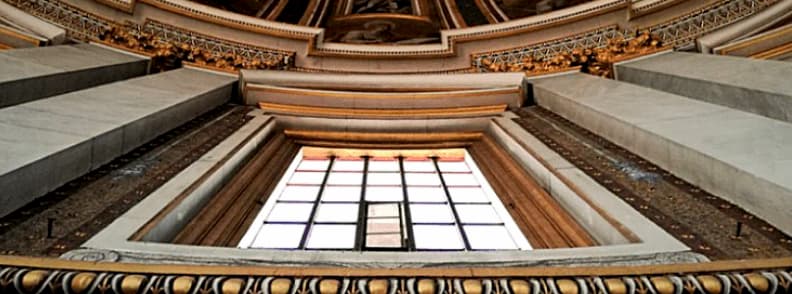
(742, 157)
(48, 142)
(34, 73)
(759, 86)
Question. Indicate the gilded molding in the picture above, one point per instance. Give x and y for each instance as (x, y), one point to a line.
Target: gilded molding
(37, 275)
(170, 45)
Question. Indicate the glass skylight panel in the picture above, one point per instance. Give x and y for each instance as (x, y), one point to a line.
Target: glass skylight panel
(337, 213)
(424, 165)
(290, 212)
(437, 237)
(467, 194)
(299, 193)
(307, 178)
(453, 166)
(348, 165)
(422, 179)
(331, 237)
(382, 165)
(426, 194)
(477, 214)
(384, 193)
(460, 179)
(383, 210)
(384, 178)
(442, 203)
(279, 236)
(313, 165)
(345, 178)
(431, 213)
(341, 193)
(489, 238)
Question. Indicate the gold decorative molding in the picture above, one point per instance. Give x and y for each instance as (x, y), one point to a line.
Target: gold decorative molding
(596, 61)
(32, 275)
(452, 112)
(369, 137)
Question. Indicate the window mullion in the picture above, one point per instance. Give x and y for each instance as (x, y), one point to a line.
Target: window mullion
(451, 204)
(407, 226)
(362, 209)
(309, 224)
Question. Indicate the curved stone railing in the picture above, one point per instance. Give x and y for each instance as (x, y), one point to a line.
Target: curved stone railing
(44, 275)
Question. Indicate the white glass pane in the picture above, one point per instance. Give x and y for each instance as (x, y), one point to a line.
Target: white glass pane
(463, 179)
(426, 194)
(383, 225)
(453, 166)
(431, 213)
(419, 166)
(279, 236)
(383, 165)
(313, 165)
(437, 237)
(489, 237)
(383, 210)
(341, 193)
(383, 194)
(348, 165)
(378, 178)
(471, 194)
(477, 213)
(335, 212)
(331, 237)
(384, 241)
(309, 178)
(422, 179)
(299, 193)
(290, 212)
(345, 178)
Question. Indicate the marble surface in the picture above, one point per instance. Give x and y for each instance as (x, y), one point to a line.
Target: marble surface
(35, 73)
(757, 86)
(742, 157)
(50, 141)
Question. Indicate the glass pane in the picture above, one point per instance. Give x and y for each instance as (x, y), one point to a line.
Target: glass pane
(348, 165)
(422, 179)
(426, 194)
(431, 213)
(313, 165)
(337, 213)
(383, 194)
(477, 214)
(279, 236)
(418, 166)
(471, 194)
(341, 193)
(453, 166)
(331, 237)
(489, 237)
(290, 212)
(437, 237)
(384, 241)
(307, 178)
(299, 193)
(383, 165)
(383, 210)
(345, 178)
(462, 179)
(378, 178)
(383, 225)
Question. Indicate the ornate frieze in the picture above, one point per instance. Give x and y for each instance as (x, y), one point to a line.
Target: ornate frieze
(170, 45)
(58, 276)
(594, 53)
(678, 32)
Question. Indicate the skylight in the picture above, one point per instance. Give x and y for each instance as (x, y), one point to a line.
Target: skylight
(383, 201)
